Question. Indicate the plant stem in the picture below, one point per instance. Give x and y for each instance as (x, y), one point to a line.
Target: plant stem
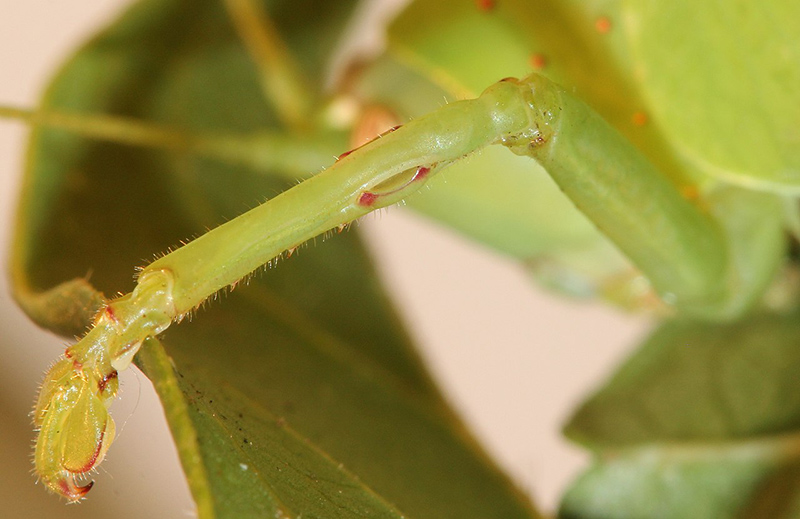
(283, 84)
(270, 152)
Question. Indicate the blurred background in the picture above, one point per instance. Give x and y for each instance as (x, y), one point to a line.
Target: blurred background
(512, 359)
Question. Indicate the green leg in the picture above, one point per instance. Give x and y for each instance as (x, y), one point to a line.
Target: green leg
(679, 247)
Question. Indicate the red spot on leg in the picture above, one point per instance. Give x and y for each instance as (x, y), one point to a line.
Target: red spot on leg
(485, 5)
(346, 153)
(421, 173)
(109, 312)
(639, 119)
(367, 199)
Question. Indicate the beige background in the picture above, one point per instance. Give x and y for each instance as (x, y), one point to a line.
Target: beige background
(512, 360)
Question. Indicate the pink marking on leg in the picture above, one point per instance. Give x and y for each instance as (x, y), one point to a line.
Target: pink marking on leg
(367, 199)
(109, 311)
(346, 153)
(421, 173)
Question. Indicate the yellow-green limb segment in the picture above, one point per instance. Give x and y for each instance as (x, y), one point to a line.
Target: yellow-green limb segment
(690, 254)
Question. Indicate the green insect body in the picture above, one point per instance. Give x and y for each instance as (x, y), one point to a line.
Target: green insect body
(708, 248)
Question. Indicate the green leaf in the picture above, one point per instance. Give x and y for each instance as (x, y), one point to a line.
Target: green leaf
(297, 395)
(703, 421)
(728, 97)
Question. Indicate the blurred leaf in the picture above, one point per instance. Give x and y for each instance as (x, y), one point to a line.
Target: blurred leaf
(300, 395)
(703, 421)
(727, 92)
